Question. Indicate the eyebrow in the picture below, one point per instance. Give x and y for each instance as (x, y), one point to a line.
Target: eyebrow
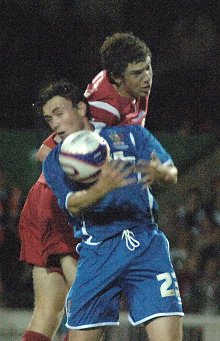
(137, 70)
(140, 69)
(56, 108)
(53, 111)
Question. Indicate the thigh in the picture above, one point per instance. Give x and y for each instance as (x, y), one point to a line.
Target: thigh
(92, 306)
(68, 265)
(50, 289)
(86, 335)
(165, 329)
(150, 284)
(94, 297)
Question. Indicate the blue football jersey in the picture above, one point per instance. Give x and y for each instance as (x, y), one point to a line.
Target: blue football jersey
(128, 207)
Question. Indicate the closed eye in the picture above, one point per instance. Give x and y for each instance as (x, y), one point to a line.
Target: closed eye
(136, 73)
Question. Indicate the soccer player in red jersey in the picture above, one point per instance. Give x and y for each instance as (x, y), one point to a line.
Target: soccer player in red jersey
(48, 244)
(119, 94)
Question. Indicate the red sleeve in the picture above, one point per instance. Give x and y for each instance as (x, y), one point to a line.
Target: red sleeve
(50, 142)
(101, 115)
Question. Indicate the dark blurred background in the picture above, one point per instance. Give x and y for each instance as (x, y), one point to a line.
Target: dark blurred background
(64, 37)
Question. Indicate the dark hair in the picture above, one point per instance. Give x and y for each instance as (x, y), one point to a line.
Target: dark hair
(62, 88)
(120, 49)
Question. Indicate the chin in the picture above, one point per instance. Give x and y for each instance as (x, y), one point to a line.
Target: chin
(145, 93)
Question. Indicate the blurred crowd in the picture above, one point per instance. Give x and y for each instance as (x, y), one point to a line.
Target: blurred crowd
(15, 277)
(193, 229)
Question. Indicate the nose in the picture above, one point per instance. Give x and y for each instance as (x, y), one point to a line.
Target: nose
(55, 124)
(147, 75)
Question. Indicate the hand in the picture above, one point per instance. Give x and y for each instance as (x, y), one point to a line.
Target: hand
(155, 170)
(150, 170)
(115, 174)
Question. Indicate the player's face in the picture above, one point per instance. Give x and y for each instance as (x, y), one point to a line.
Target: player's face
(62, 117)
(137, 79)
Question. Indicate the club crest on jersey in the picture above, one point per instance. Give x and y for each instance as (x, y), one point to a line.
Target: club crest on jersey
(118, 141)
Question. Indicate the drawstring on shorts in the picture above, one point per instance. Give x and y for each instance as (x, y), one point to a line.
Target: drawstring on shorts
(131, 242)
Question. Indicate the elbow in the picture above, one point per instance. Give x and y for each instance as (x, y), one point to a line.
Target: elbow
(75, 207)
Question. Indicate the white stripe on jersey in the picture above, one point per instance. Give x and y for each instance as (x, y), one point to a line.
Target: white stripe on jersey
(151, 200)
(106, 106)
(132, 139)
(85, 233)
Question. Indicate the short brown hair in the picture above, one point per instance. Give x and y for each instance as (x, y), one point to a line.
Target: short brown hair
(120, 49)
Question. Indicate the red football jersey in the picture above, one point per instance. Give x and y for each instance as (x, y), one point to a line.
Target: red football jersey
(108, 107)
(51, 141)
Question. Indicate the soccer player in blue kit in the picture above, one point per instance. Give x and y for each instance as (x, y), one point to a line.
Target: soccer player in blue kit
(122, 249)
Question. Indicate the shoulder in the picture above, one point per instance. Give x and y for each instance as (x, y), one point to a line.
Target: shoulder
(126, 129)
(136, 130)
(52, 158)
(117, 134)
(100, 81)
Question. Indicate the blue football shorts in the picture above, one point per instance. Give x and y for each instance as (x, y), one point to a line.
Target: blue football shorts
(138, 265)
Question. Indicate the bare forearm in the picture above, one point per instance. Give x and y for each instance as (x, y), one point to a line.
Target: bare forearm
(113, 175)
(155, 171)
(82, 200)
(42, 152)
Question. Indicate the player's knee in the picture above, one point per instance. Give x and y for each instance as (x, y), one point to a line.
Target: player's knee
(50, 306)
(49, 312)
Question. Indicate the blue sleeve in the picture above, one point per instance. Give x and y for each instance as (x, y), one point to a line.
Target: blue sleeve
(56, 178)
(146, 143)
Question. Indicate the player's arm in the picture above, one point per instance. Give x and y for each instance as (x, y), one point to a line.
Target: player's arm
(42, 152)
(156, 164)
(47, 145)
(113, 175)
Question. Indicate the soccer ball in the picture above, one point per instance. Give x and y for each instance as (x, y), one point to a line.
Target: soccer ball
(83, 154)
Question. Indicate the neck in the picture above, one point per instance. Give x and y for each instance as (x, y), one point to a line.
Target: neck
(87, 124)
(121, 91)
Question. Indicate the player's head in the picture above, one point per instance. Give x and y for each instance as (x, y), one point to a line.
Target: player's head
(127, 60)
(62, 106)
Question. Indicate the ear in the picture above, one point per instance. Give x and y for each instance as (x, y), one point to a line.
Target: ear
(81, 106)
